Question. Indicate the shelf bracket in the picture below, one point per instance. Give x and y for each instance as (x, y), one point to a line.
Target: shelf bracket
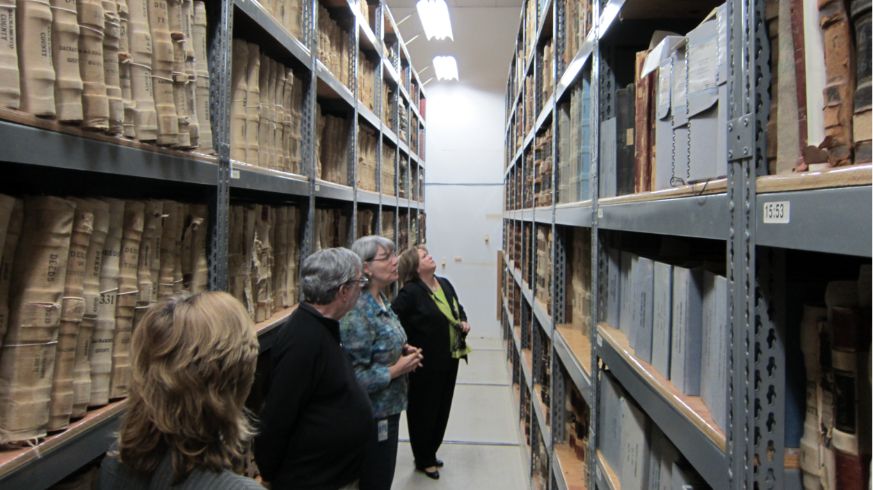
(741, 138)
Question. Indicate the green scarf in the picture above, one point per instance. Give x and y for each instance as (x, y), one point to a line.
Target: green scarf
(457, 341)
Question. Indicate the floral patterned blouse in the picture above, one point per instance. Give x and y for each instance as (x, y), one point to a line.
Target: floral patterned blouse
(373, 338)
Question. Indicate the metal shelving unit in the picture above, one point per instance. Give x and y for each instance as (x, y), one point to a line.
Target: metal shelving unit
(752, 215)
(46, 146)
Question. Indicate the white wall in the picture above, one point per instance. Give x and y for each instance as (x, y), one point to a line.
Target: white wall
(464, 169)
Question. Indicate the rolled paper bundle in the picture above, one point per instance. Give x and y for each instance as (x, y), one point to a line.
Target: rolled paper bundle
(11, 217)
(10, 89)
(37, 74)
(72, 312)
(201, 70)
(253, 98)
(145, 119)
(169, 247)
(65, 54)
(91, 293)
(95, 105)
(28, 352)
(162, 69)
(238, 100)
(111, 46)
(104, 329)
(128, 293)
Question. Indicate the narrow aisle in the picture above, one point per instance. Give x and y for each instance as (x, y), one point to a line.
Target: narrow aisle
(481, 448)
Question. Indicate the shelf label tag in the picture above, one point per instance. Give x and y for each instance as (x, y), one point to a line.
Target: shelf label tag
(599, 341)
(317, 187)
(777, 212)
(599, 213)
(599, 474)
(234, 174)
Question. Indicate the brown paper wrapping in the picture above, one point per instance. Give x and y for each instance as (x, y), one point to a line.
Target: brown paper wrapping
(239, 95)
(201, 69)
(104, 328)
(72, 312)
(162, 69)
(91, 293)
(37, 75)
(242, 231)
(295, 136)
(262, 265)
(169, 248)
(128, 294)
(190, 73)
(28, 352)
(253, 103)
(840, 81)
(266, 113)
(65, 54)
(179, 76)
(12, 214)
(195, 270)
(145, 119)
(124, 70)
(111, 46)
(95, 105)
(10, 91)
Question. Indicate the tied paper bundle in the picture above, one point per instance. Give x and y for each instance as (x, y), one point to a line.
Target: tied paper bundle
(145, 119)
(35, 57)
(194, 268)
(95, 104)
(72, 313)
(128, 293)
(262, 263)
(201, 71)
(162, 68)
(91, 293)
(238, 100)
(30, 343)
(111, 70)
(65, 54)
(104, 328)
(170, 246)
(242, 233)
(124, 73)
(10, 91)
(11, 216)
(253, 100)
(179, 76)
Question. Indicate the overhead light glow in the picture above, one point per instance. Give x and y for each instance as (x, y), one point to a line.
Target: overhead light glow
(434, 16)
(446, 67)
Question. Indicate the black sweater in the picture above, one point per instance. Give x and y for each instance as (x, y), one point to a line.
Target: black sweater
(425, 325)
(316, 419)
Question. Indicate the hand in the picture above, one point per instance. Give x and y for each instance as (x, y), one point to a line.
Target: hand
(465, 327)
(410, 349)
(406, 364)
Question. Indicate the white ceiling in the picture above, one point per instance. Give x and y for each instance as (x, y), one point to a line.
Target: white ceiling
(484, 32)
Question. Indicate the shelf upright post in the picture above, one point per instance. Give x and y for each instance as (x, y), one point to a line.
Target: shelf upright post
(597, 253)
(755, 445)
(352, 157)
(380, 131)
(310, 20)
(219, 39)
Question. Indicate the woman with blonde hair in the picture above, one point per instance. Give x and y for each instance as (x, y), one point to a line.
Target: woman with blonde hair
(192, 365)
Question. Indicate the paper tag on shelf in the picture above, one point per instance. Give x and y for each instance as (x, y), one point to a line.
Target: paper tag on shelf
(599, 474)
(599, 341)
(317, 187)
(600, 212)
(234, 174)
(777, 212)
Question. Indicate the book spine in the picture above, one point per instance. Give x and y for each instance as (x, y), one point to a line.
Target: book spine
(643, 144)
(635, 446)
(861, 122)
(687, 330)
(643, 308)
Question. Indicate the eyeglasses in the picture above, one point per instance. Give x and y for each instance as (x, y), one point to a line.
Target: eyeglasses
(361, 281)
(390, 256)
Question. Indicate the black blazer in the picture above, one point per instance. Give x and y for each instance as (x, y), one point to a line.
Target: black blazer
(425, 325)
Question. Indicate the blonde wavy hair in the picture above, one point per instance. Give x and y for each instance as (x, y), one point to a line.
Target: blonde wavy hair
(193, 363)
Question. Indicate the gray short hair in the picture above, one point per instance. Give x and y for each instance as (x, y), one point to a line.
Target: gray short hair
(367, 247)
(325, 271)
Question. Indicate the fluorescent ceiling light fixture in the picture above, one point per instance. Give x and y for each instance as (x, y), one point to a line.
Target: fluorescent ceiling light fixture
(446, 67)
(434, 16)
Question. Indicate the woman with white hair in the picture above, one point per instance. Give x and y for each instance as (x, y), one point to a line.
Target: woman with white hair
(376, 344)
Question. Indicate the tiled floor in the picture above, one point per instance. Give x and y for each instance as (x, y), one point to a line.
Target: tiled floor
(481, 448)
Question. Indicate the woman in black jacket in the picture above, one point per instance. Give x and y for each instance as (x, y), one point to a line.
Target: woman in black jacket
(434, 321)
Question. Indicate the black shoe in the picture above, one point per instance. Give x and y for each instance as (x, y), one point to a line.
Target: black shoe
(433, 475)
(439, 463)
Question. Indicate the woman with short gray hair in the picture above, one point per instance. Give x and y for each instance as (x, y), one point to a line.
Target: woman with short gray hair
(376, 344)
(317, 421)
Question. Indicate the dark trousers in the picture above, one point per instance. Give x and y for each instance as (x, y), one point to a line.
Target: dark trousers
(377, 472)
(427, 412)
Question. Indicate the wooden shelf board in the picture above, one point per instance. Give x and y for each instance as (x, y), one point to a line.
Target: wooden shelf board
(610, 475)
(850, 176)
(579, 344)
(12, 459)
(571, 467)
(692, 407)
(715, 186)
(275, 320)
